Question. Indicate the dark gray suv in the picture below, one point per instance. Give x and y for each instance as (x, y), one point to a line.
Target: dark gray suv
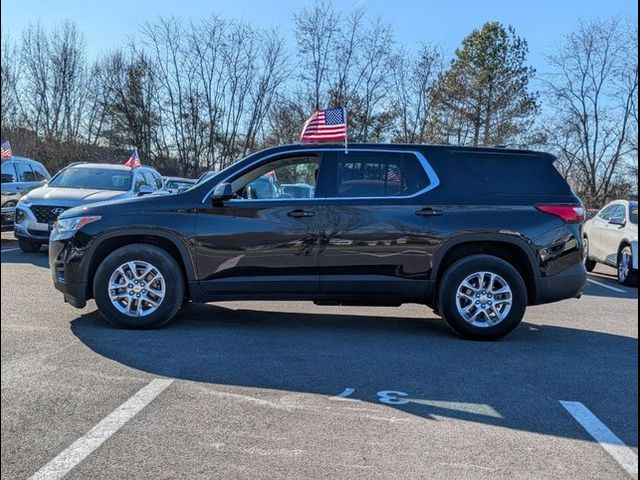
(20, 175)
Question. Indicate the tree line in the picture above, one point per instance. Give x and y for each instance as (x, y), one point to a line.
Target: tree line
(196, 95)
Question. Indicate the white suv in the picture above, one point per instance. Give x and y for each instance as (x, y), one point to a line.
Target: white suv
(611, 237)
(78, 184)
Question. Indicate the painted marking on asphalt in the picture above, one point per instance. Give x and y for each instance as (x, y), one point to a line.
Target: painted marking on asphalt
(605, 437)
(345, 394)
(85, 445)
(6, 250)
(604, 285)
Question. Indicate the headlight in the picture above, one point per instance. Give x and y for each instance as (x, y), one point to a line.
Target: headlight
(67, 227)
(19, 215)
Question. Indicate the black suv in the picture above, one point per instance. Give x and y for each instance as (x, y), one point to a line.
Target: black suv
(475, 233)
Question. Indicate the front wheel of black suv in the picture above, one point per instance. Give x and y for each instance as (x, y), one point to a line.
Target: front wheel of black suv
(138, 286)
(482, 297)
(28, 246)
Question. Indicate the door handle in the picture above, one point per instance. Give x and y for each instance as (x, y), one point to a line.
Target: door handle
(301, 213)
(20, 188)
(429, 212)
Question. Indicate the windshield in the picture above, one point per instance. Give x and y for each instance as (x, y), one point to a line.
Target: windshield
(633, 213)
(93, 178)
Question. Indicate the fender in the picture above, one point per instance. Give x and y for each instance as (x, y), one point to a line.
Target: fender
(175, 240)
(511, 238)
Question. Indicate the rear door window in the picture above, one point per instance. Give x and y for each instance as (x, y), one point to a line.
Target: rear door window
(8, 172)
(378, 174)
(25, 172)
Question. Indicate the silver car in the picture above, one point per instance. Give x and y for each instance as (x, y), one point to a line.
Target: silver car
(611, 237)
(78, 184)
(20, 175)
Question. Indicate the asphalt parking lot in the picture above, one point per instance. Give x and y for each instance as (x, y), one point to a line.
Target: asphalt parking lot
(272, 390)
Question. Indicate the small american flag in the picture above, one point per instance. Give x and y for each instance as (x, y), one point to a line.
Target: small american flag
(325, 126)
(7, 154)
(134, 160)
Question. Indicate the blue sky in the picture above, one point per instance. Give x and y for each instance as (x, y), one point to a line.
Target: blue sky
(107, 23)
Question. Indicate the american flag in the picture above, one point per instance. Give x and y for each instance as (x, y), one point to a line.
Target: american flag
(7, 154)
(134, 160)
(325, 126)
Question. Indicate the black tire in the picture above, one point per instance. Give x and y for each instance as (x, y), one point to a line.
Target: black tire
(589, 264)
(628, 278)
(166, 266)
(28, 246)
(448, 292)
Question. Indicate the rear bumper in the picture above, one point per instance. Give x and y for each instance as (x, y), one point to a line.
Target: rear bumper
(568, 284)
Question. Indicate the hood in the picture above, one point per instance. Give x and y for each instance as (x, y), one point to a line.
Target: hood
(633, 229)
(70, 196)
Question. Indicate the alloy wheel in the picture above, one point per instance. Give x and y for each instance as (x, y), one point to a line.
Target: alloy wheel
(484, 299)
(136, 288)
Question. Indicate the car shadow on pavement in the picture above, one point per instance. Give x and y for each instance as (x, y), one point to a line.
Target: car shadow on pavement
(598, 290)
(38, 259)
(515, 383)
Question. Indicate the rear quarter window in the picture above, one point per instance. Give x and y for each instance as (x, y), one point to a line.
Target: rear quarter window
(511, 174)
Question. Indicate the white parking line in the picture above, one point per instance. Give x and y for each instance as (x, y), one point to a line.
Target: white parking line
(604, 285)
(605, 437)
(85, 445)
(9, 250)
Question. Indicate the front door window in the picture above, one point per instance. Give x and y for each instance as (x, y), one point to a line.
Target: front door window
(284, 179)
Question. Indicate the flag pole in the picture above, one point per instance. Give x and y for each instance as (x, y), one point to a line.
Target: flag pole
(346, 131)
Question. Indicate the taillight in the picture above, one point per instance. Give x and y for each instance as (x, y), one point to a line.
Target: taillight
(569, 213)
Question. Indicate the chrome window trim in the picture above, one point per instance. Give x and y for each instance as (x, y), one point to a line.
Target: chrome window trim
(434, 180)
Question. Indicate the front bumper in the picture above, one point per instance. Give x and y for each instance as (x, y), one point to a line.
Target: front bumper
(66, 263)
(568, 284)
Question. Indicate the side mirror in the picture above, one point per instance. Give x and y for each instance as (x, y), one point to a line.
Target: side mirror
(144, 190)
(221, 192)
(620, 221)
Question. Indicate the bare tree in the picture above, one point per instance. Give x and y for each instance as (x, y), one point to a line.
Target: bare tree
(316, 28)
(593, 90)
(414, 82)
(53, 92)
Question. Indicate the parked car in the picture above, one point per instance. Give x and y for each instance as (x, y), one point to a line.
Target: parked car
(77, 184)
(611, 237)
(20, 175)
(476, 233)
(178, 184)
(205, 176)
(298, 190)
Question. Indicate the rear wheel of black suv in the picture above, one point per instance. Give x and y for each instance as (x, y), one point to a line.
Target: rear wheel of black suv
(482, 297)
(29, 246)
(138, 286)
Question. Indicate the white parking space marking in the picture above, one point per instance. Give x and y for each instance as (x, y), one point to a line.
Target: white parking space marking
(604, 285)
(85, 445)
(6, 250)
(345, 394)
(605, 437)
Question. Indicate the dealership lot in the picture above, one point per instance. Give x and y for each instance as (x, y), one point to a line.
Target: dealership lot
(266, 390)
